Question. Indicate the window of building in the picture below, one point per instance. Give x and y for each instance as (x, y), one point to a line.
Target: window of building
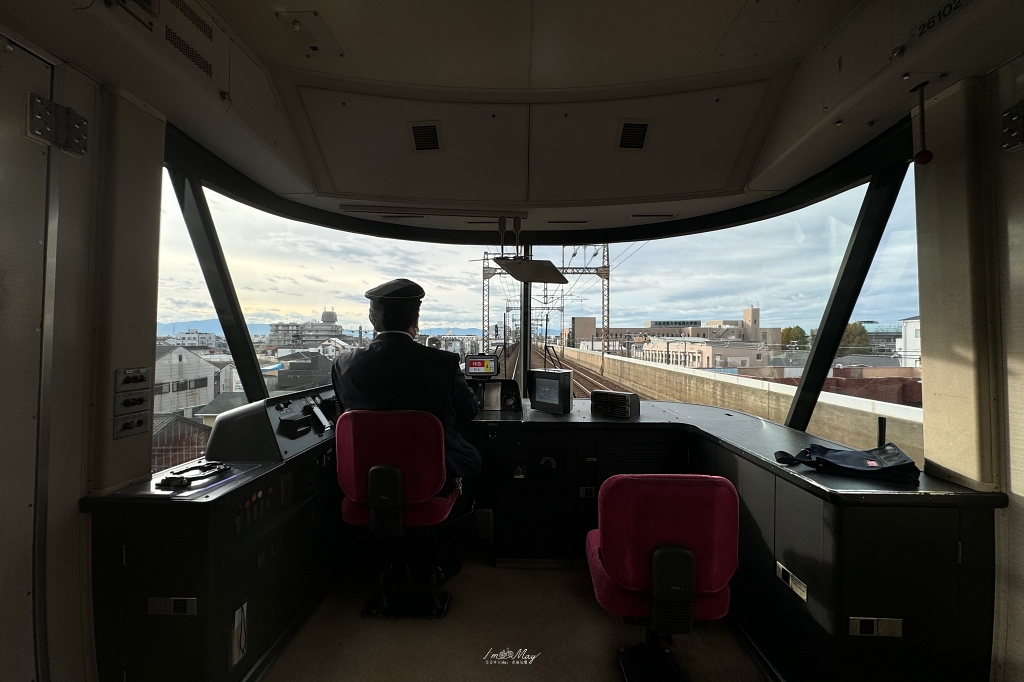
(877, 372)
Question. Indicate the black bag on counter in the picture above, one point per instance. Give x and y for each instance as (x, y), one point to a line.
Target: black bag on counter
(887, 463)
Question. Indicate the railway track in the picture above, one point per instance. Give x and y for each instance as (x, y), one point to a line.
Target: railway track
(584, 380)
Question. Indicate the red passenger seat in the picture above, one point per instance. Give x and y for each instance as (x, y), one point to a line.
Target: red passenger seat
(391, 464)
(664, 551)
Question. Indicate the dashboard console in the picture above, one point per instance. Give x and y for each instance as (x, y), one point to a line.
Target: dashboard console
(239, 544)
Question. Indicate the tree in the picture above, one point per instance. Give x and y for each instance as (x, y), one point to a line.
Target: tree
(855, 340)
(794, 335)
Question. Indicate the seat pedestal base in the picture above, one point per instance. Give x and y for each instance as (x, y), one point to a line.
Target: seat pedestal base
(649, 662)
(407, 605)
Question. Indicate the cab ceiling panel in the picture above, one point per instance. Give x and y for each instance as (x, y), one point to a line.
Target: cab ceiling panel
(190, 35)
(860, 76)
(391, 148)
(583, 43)
(460, 43)
(592, 151)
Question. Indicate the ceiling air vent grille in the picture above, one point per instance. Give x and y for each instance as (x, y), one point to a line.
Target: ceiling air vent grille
(633, 136)
(194, 17)
(425, 138)
(189, 51)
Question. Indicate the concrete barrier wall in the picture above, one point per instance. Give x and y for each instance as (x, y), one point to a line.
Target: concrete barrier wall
(840, 418)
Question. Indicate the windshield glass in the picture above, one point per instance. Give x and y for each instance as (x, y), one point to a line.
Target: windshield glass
(723, 318)
(301, 288)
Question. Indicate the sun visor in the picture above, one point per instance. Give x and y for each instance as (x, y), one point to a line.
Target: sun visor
(525, 270)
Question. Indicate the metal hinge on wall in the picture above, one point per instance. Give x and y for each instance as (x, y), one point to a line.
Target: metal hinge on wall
(52, 123)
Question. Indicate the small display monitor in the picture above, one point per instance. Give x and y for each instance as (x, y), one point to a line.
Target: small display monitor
(550, 390)
(482, 366)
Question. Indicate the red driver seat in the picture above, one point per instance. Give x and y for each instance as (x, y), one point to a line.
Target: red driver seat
(391, 465)
(664, 551)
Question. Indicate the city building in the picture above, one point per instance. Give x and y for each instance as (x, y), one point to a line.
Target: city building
(193, 338)
(332, 348)
(181, 380)
(228, 400)
(305, 334)
(176, 440)
(303, 370)
(747, 329)
(908, 346)
(882, 337)
(584, 329)
(226, 380)
(699, 353)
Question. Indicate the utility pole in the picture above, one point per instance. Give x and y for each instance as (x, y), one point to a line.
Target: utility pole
(526, 327)
(603, 271)
(489, 271)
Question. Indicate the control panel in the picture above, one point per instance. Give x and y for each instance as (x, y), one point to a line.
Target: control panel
(133, 379)
(133, 390)
(131, 401)
(275, 429)
(494, 395)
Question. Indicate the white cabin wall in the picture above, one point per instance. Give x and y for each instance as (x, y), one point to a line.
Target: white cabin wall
(970, 225)
(68, 587)
(952, 275)
(127, 278)
(25, 252)
(1006, 87)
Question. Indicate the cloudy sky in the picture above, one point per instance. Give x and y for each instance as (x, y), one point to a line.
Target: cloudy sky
(284, 270)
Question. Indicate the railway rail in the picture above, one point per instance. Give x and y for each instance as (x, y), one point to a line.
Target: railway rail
(584, 380)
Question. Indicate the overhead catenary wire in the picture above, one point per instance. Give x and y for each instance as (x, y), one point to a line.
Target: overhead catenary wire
(612, 268)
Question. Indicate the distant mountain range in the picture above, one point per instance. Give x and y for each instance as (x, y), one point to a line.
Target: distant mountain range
(457, 331)
(213, 326)
(206, 326)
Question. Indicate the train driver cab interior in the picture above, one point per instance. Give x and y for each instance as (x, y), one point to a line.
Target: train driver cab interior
(383, 340)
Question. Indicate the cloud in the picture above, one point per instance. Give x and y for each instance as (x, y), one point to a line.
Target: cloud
(285, 270)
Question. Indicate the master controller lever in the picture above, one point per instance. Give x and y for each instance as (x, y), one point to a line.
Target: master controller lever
(324, 424)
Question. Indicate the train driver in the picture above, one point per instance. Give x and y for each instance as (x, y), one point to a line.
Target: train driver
(396, 373)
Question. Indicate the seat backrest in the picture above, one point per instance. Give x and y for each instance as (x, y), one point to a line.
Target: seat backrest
(410, 440)
(638, 513)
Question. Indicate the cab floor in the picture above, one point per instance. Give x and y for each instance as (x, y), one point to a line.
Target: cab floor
(548, 612)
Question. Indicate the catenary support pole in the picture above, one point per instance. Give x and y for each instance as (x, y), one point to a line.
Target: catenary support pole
(525, 326)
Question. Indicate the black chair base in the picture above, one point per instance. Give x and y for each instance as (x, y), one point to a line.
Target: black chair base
(407, 605)
(649, 662)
